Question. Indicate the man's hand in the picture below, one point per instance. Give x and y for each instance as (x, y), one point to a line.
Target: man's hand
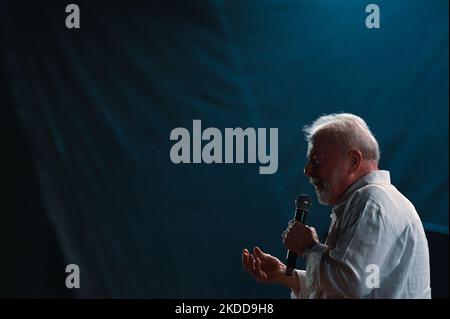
(269, 269)
(298, 237)
(263, 267)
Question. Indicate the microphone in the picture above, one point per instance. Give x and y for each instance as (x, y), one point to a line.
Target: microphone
(302, 206)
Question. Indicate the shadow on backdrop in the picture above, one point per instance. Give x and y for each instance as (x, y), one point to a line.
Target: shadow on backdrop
(88, 169)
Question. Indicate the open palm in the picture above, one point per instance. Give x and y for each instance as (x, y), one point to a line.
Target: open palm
(263, 267)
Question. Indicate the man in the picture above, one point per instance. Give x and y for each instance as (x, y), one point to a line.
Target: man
(376, 246)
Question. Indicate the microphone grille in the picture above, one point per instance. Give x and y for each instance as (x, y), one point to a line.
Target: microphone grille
(303, 202)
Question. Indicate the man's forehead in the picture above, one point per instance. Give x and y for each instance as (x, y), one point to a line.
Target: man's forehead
(314, 151)
(320, 144)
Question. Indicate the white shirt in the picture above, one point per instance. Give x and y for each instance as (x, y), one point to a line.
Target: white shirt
(376, 247)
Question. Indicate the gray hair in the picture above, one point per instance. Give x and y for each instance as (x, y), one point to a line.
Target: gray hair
(349, 130)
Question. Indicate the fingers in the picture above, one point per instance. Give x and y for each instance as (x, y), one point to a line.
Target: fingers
(285, 233)
(295, 226)
(244, 258)
(290, 231)
(252, 264)
(292, 224)
(247, 260)
(258, 252)
(299, 237)
(293, 234)
(259, 274)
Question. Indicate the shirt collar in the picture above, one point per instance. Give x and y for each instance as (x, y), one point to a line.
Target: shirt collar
(378, 176)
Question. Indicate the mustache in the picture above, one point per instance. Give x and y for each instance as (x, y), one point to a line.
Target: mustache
(324, 182)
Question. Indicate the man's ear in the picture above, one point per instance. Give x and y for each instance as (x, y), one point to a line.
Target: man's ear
(355, 160)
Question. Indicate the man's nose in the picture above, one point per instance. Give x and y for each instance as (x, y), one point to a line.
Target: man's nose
(308, 169)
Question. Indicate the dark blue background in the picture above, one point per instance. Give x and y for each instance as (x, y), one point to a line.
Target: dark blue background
(97, 105)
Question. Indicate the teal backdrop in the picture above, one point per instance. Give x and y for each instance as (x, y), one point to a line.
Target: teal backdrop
(97, 105)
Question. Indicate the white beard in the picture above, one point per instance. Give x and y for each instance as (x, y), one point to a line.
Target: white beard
(324, 195)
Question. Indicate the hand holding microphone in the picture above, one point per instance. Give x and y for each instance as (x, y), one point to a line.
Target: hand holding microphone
(266, 268)
(298, 237)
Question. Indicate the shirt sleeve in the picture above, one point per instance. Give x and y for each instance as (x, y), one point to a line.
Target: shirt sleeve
(304, 292)
(342, 271)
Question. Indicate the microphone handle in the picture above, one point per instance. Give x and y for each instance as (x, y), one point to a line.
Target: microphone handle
(291, 259)
(303, 214)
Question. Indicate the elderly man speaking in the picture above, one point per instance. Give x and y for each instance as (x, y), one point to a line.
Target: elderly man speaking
(374, 230)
